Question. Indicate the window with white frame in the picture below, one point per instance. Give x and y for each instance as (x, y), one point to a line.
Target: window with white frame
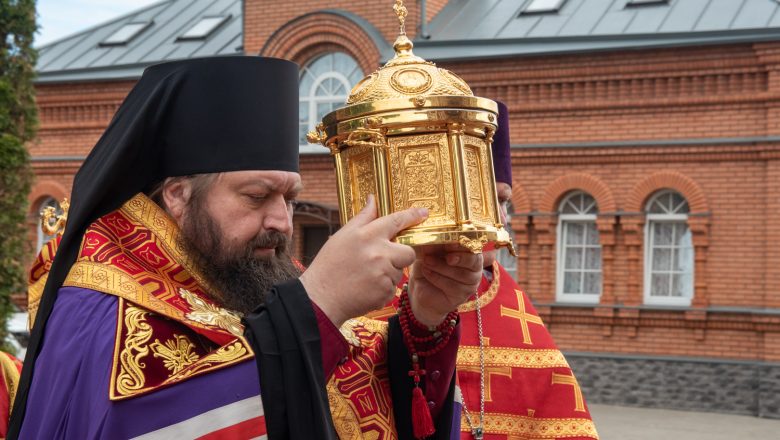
(126, 33)
(204, 27)
(668, 250)
(504, 257)
(542, 6)
(325, 84)
(579, 249)
(43, 238)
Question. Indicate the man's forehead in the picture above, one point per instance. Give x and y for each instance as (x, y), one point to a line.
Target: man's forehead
(503, 190)
(282, 181)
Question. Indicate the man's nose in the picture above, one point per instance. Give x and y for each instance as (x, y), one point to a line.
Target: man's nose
(278, 216)
(503, 213)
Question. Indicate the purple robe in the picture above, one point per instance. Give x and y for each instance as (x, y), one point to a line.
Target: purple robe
(72, 378)
(72, 375)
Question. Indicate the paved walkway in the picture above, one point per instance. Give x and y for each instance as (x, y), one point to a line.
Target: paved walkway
(623, 423)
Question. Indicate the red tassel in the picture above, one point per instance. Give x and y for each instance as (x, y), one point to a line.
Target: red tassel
(422, 422)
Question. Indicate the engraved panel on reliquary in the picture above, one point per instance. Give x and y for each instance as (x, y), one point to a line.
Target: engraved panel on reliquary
(421, 176)
(362, 179)
(477, 179)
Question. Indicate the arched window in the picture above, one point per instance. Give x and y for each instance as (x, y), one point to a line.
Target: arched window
(579, 249)
(506, 259)
(43, 238)
(668, 250)
(325, 83)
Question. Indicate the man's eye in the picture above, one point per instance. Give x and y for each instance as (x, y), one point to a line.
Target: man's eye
(291, 203)
(256, 197)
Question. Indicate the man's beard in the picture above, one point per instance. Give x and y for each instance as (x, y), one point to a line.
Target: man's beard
(242, 279)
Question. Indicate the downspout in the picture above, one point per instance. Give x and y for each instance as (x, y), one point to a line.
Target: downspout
(240, 48)
(423, 21)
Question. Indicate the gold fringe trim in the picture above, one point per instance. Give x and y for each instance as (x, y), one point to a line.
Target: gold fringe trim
(487, 297)
(524, 427)
(512, 357)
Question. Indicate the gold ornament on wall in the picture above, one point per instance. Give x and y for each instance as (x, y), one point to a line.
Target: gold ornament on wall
(51, 222)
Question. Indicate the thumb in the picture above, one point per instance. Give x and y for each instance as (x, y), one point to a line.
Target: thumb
(366, 215)
(390, 225)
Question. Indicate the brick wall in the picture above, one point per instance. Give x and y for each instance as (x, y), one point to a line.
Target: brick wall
(732, 178)
(616, 124)
(263, 17)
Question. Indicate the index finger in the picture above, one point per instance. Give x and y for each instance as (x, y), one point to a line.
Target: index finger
(390, 225)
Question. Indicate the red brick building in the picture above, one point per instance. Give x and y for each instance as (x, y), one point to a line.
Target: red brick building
(646, 158)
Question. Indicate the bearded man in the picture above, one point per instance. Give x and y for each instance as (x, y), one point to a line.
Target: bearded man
(179, 226)
(513, 381)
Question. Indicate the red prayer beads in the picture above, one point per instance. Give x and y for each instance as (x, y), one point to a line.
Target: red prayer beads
(421, 346)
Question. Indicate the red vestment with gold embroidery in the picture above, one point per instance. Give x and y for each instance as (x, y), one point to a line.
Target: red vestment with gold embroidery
(530, 391)
(168, 330)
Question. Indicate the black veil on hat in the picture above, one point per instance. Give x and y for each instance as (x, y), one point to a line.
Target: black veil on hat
(186, 117)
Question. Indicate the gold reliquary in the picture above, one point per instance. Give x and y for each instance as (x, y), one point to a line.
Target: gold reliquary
(414, 135)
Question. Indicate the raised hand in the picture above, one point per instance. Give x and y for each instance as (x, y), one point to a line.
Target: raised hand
(357, 269)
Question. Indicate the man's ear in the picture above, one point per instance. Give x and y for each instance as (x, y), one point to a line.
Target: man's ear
(176, 193)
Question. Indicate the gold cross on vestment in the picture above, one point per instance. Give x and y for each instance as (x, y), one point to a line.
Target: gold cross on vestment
(521, 315)
(565, 379)
(489, 372)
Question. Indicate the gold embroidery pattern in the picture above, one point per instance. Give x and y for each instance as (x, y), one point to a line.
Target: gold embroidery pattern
(521, 315)
(10, 371)
(489, 372)
(109, 279)
(34, 295)
(524, 427)
(374, 326)
(569, 379)
(347, 330)
(359, 390)
(133, 253)
(209, 314)
(223, 356)
(344, 419)
(39, 273)
(487, 297)
(131, 377)
(468, 355)
(144, 211)
(176, 353)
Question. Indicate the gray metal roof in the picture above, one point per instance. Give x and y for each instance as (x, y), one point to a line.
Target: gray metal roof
(464, 29)
(467, 29)
(81, 57)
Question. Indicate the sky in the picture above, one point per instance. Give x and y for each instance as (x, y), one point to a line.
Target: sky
(60, 18)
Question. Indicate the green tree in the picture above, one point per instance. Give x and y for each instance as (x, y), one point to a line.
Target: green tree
(18, 122)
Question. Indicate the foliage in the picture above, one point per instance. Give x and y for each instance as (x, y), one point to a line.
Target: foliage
(18, 122)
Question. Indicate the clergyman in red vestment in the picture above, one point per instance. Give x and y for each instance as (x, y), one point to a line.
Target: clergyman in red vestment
(515, 384)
